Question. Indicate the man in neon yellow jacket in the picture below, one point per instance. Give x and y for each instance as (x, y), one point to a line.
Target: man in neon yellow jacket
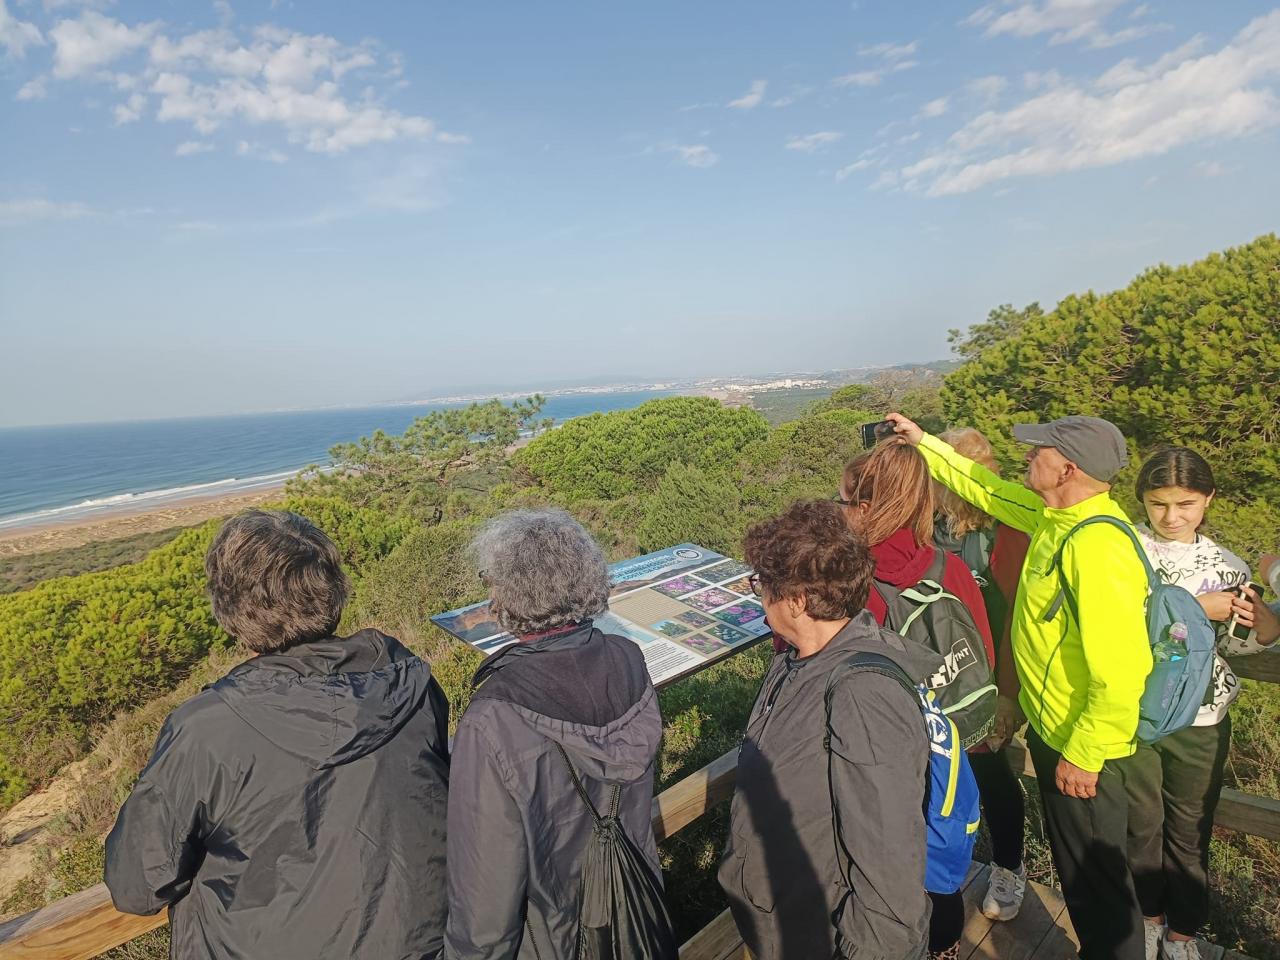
(1081, 680)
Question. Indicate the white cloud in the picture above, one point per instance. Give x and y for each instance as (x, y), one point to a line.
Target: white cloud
(1141, 113)
(987, 88)
(861, 78)
(226, 14)
(751, 99)
(862, 163)
(890, 51)
(131, 110)
(16, 35)
(211, 78)
(189, 148)
(1066, 21)
(93, 41)
(810, 143)
(1210, 169)
(36, 89)
(1128, 72)
(453, 138)
(873, 78)
(696, 155)
(15, 213)
(799, 93)
(935, 108)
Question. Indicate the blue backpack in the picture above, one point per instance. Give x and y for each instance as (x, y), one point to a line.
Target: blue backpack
(1175, 688)
(951, 793)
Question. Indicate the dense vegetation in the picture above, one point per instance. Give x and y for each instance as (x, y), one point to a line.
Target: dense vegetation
(1187, 354)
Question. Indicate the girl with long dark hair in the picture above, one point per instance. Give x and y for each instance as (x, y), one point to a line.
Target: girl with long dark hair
(1178, 779)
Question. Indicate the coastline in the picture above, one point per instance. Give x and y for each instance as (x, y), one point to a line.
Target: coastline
(41, 536)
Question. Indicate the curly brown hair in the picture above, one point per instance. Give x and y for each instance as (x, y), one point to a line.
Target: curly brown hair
(810, 551)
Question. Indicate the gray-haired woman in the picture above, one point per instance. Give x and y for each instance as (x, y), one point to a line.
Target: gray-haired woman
(517, 827)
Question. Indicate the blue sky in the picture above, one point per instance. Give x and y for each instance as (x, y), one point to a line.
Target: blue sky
(215, 207)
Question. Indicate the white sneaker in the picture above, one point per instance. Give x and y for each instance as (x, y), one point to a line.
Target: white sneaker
(1179, 949)
(1005, 893)
(1154, 933)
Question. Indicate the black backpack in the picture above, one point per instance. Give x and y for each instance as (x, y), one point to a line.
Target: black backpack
(926, 614)
(621, 915)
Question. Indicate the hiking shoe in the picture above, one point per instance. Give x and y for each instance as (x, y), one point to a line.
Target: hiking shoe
(1005, 893)
(1179, 949)
(1154, 933)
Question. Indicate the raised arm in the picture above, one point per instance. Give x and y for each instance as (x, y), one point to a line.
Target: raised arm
(1008, 502)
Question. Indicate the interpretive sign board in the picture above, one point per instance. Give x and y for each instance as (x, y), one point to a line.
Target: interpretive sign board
(686, 607)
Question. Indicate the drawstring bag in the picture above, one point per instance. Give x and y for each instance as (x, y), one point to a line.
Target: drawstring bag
(622, 914)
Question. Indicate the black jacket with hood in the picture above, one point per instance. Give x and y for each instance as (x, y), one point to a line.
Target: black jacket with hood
(296, 808)
(517, 829)
(781, 869)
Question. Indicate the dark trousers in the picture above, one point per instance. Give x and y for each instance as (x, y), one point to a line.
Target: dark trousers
(1003, 806)
(1173, 793)
(946, 922)
(1088, 839)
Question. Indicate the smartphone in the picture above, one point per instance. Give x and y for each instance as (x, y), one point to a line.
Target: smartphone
(873, 433)
(1251, 592)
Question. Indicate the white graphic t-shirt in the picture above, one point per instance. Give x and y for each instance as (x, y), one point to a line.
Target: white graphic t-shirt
(1205, 567)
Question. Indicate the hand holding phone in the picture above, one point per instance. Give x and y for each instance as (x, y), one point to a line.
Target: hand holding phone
(1241, 624)
(873, 433)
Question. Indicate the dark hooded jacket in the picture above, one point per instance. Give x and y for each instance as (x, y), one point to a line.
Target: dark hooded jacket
(296, 808)
(781, 869)
(517, 829)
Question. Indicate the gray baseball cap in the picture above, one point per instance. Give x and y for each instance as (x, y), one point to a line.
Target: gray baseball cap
(1095, 445)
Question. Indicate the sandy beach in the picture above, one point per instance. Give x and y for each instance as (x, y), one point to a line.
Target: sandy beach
(42, 536)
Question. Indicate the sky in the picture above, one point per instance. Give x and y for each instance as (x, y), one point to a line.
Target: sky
(232, 206)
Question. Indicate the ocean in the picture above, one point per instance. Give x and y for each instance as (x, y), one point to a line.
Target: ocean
(78, 471)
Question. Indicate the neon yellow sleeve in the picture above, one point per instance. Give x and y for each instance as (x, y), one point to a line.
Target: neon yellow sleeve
(1008, 502)
(1110, 588)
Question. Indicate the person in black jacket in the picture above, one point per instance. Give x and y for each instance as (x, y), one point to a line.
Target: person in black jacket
(517, 828)
(297, 806)
(826, 852)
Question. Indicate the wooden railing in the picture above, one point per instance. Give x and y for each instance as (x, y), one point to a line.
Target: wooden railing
(85, 924)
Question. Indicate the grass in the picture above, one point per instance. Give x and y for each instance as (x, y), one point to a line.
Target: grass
(24, 572)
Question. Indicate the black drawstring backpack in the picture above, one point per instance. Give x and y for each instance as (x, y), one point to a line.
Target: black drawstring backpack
(622, 914)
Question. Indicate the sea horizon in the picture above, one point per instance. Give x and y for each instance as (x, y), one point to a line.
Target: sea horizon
(74, 472)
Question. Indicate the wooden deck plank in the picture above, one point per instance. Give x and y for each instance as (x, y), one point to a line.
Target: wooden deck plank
(1059, 941)
(1020, 938)
(718, 940)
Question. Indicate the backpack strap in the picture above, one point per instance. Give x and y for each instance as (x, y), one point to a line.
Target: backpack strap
(928, 589)
(1064, 589)
(582, 791)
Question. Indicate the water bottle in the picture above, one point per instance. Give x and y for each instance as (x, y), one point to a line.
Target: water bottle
(1174, 646)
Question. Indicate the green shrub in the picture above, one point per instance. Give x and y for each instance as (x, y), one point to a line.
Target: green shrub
(694, 505)
(611, 455)
(76, 649)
